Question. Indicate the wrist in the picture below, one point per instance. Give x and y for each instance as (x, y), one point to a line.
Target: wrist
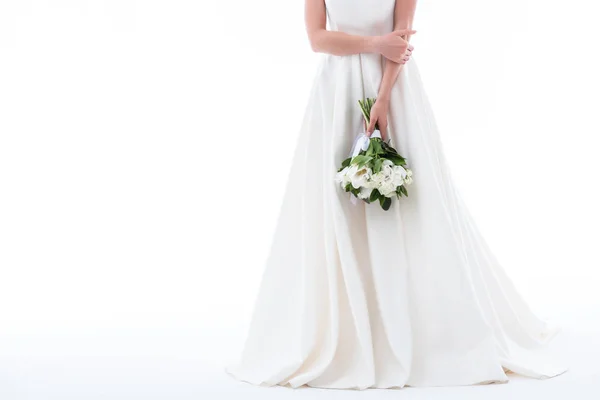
(383, 98)
(374, 44)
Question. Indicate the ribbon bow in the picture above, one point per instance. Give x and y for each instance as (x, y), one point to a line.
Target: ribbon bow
(362, 142)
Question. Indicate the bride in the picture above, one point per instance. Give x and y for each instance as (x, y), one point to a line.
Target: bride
(354, 297)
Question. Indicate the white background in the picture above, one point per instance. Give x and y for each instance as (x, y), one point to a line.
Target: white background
(144, 147)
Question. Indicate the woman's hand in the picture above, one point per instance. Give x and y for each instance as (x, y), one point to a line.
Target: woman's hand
(379, 116)
(407, 54)
(393, 46)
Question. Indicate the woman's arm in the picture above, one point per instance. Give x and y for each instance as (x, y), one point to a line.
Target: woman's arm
(403, 18)
(392, 46)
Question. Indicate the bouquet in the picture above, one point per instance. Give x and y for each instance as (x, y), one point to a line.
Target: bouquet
(375, 171)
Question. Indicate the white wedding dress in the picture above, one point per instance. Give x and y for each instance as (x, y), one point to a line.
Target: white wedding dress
(357, 297)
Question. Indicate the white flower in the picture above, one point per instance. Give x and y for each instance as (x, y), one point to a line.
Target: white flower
(399, 170)
(342, 177)
(398, 181)
(360, 177)
(399, 176)
(378, 179)
(387, 168)
(364, 193)
(388, 189)
(408, 178)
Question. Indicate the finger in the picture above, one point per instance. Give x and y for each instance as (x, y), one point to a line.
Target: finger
(383, 127)
(402, 32)
(411, 47)
(371, 127)
(384, 134)
(383, 130)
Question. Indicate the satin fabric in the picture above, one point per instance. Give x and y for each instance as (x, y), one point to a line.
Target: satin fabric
(355, 297)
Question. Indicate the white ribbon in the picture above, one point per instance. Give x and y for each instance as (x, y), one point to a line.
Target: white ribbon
(362, 142)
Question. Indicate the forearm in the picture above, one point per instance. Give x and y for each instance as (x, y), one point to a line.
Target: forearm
(403, 19)
(342, 44)
(333, 42)
(404, 14)
(390, 75)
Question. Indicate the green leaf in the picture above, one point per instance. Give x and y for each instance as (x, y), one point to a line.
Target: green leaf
(396, 159)
(346, 162)
(376, 145)
(377, 165)
(370, 150)
(374, 195)
(388, 149)
(403, 190)
(386, 203)
(361, 160)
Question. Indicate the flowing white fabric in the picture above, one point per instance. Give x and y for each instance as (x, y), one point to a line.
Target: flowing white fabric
(357, 297)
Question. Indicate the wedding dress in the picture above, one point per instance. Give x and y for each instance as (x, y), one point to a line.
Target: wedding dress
(357, 297)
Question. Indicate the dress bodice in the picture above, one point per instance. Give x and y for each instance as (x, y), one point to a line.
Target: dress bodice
(361, 17)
